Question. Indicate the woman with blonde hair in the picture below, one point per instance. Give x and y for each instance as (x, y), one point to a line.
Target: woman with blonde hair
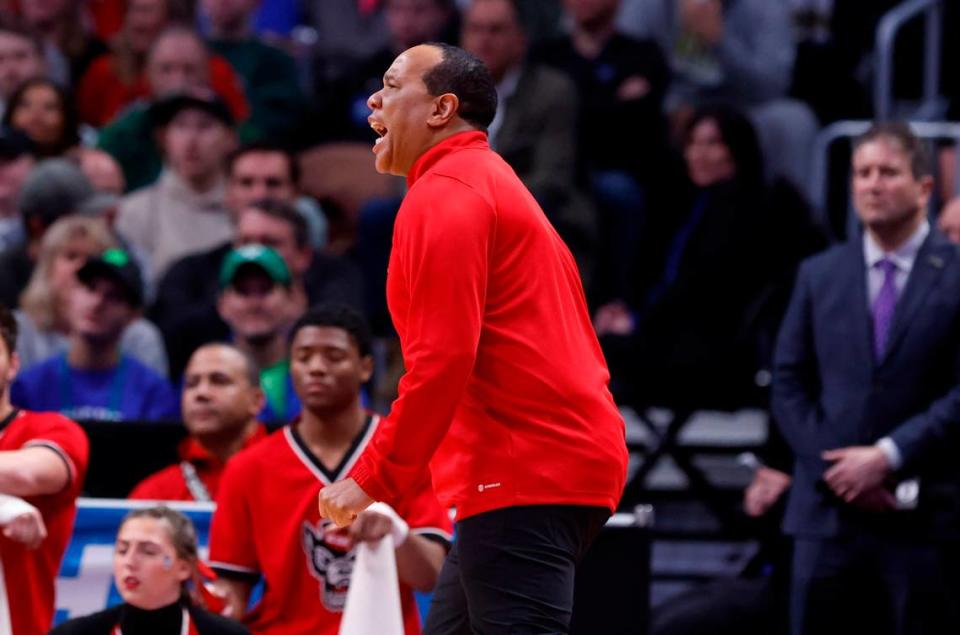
(153, 563)
(42, 315)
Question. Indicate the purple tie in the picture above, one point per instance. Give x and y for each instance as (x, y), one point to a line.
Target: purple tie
(883, 306)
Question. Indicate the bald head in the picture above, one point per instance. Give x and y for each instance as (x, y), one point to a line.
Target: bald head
(178, 62)
(221, 393)
(228, 354)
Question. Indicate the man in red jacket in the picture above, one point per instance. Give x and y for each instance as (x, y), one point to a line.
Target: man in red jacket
(219, 403)
(505, 394)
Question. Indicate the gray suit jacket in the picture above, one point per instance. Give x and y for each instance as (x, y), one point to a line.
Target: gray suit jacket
(538, 138)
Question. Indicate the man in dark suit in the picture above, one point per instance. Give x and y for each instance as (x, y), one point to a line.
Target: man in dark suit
(867, 393)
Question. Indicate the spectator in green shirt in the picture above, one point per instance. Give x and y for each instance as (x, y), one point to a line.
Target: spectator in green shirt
(270, 75)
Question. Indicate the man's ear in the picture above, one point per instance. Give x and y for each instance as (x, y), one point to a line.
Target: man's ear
(445, 108)
(926, 186)
(304, 256)
(257, 400)
(366, 368)
(221, 304)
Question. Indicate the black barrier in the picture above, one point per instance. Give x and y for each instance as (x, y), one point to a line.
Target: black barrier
(124, 453)
(612, 595)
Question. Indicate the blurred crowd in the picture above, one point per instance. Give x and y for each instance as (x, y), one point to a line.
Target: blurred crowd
(668, 141)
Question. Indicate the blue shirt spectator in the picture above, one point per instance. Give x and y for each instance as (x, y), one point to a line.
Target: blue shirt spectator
(128, 391)
(93, 379)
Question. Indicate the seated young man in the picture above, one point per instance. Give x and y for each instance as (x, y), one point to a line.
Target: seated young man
(267, 522)
(93, 380)
(220, 401)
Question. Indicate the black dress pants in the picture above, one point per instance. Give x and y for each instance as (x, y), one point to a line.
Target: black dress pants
(871, 584)
(511, 571)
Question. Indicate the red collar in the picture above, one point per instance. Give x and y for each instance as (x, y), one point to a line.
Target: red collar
(454, 143)
(192, 452)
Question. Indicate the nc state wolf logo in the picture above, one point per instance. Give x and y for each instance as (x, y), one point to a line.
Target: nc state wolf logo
(329, 562)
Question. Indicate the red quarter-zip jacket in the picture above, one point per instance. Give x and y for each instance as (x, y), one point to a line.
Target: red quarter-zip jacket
(506, 385)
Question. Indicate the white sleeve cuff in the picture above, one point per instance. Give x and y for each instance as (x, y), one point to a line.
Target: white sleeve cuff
(891, 451)
(400, 527)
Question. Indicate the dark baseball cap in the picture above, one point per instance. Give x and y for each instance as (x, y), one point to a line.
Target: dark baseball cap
(115, 264)
(260, 256)
(165, 109)
(54, 188)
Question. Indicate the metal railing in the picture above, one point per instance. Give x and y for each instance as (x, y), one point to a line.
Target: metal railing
(886, 34)
(820, 170)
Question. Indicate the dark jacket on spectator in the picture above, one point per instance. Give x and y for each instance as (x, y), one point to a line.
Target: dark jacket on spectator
(15, 270)
(713, 283)
(615, 133)
(185, 308)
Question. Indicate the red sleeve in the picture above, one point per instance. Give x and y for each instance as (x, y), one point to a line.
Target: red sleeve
(93, 91)
(67, 440)
(424, 513)
(226, 82)
(443, 240)
(232, 545)
(107, 17)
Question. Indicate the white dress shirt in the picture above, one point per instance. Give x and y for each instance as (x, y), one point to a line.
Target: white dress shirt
(903, 257)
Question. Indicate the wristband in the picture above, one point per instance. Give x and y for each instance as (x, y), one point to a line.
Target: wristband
(11, 507)
(400, 527)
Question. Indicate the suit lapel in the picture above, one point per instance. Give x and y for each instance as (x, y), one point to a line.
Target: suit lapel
(932, 259)
(853, 279)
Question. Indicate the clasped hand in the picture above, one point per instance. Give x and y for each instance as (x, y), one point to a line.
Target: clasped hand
(857, 476)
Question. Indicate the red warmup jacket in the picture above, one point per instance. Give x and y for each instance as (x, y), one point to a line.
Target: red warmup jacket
(506, 386)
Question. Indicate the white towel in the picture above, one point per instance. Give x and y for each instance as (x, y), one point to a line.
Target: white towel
(373, 601)
(10, 508)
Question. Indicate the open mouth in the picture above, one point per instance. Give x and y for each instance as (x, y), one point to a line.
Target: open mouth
(380, 129)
